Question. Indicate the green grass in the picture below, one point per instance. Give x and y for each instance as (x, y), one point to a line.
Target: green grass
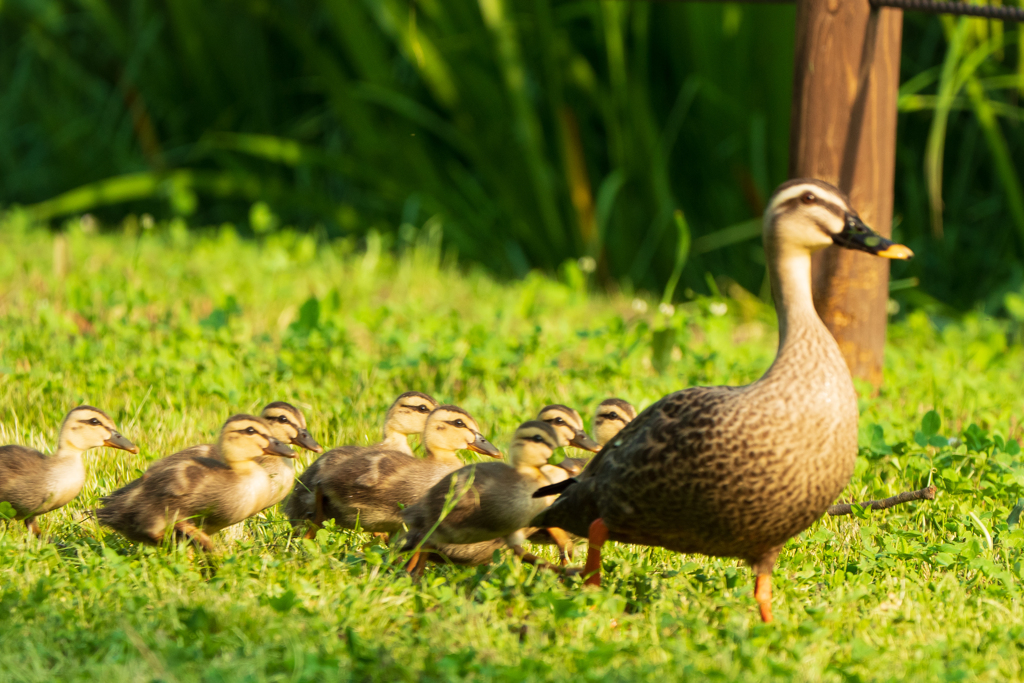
(171, 331)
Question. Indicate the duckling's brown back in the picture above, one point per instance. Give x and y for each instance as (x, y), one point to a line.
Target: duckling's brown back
(373, 486)
(22, 478)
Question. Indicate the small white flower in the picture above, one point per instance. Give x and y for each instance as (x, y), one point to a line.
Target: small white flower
(147, 221)
(667, 309)
(639, 305)
(587, 264)
(718, 308)
(954, 442)
(88, 223)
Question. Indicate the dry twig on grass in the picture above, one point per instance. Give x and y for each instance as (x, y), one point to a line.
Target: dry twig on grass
(906, 497)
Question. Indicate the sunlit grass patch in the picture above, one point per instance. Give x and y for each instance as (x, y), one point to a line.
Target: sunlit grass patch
(171, 331)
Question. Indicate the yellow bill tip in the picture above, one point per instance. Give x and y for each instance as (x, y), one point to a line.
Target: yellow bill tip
(897, 252)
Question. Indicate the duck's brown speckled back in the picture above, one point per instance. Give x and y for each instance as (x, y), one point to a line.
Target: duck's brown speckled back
(728, 471)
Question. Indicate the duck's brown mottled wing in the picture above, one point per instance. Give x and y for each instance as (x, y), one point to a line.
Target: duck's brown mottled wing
(653, 453)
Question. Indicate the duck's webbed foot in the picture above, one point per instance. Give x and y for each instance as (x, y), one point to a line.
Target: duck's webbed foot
(530, 558)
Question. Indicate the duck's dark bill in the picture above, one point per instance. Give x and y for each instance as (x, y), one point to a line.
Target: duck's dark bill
(275, 447)
(306, 440)
(581, 440)
(857, 236)
(485, 447)
(115, 440)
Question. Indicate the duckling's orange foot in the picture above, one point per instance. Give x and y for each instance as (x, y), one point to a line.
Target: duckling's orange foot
(763, 595)
(417, 563)
(597, 536)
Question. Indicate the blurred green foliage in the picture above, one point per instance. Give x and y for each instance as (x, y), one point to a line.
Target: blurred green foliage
(535, 131)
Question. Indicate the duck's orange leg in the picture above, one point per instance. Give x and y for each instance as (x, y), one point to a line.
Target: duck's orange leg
(564, 544)
(597, 537)
(530, 558)
(417, 563)
(194, 534)
(763, 595)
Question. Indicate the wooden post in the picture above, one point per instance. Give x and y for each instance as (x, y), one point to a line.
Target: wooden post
(843, 131)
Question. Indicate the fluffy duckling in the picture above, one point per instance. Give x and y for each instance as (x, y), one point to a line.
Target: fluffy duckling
(493, 499)
(369, 486)
(568, 425)
(195, 497)
(406, 416)
(34, 483)
(287, 425)
(612, 415)
(738, 471)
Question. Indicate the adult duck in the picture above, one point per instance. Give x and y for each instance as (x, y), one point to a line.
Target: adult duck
(738, 471)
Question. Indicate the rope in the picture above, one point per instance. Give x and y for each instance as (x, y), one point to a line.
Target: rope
(1003, 12)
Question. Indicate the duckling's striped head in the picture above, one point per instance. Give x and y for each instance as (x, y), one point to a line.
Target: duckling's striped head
(612, 415)
(450, 428)
(245, 437)
(288, 425)
(568, 424)
(809, 214)
(408, 414)
(533, 444)
(87, 427)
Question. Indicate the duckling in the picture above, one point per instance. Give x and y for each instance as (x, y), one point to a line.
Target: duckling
(195, 497)
(406, 416)
(568, 425)
(612, 415)
(737, 471)
(492, 499)
(34, 483)
(369, 486)
(287, 425)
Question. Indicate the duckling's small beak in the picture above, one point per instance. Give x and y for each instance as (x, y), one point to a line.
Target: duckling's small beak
(306, 440)
(571, 465)
(859, 237)
(581, 440)
(482, 445)
(115, 440)
(275, 447)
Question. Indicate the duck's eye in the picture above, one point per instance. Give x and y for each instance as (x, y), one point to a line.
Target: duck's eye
(250, 430)
(460, 423)
(94, 421)
(423, 409)
(559, 421)
(808, 198)
(538, 438)
(282, 419)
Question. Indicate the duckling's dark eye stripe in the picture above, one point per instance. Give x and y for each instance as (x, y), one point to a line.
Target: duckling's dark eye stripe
(612, 416)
